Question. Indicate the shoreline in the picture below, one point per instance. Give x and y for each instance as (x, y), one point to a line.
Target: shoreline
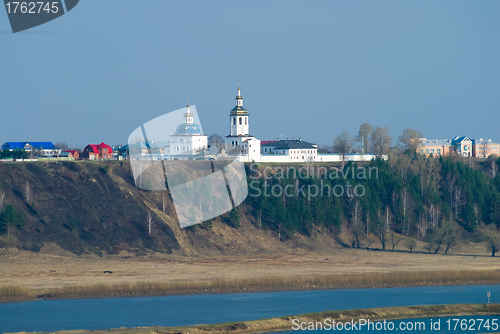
(13, 293)
(284, 323)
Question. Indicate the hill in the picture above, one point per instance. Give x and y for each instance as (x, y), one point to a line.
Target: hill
(94, 207)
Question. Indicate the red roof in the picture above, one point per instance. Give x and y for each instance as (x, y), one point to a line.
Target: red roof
(102, 145)
(95, 148)
(263, 142)
(70, 151)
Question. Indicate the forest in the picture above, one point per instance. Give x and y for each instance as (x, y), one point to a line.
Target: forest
(410, 196)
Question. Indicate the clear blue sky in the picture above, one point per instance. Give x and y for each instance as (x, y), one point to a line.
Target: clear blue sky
(309, 69)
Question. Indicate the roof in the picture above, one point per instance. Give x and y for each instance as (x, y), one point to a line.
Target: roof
(458, 139)
(188, 129)
(229, 136)
(264, 142)
(239, 111)
(71, 151)
(95, 148)
(103, 145)
(290, 144)
(13, 145)
(435, 142)
(483, 142)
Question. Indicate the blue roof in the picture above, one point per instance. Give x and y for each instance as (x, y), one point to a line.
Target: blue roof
(13, 145)
(188, 129)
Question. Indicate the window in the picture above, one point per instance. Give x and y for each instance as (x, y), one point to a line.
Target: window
(432, 151)
(240, 121)
(421, 150)
(438, 151)
(245, 121)
(234, 120)
(427, 151)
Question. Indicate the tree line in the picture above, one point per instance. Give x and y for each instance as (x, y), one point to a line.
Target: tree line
(414, 196)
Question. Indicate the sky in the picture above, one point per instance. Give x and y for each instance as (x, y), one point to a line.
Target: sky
(308, 69)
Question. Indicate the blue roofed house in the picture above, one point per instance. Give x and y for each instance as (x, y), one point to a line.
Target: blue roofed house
(35, 148)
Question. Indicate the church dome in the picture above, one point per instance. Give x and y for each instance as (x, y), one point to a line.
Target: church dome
(188, 129)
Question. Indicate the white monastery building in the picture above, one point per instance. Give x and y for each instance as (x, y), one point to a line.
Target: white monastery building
(188, 138)
(241, 143)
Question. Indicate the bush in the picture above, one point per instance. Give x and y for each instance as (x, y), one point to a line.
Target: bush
(9, 241)
(72, 224)
(11, 218)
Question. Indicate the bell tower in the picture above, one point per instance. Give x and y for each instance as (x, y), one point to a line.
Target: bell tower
(239, 124)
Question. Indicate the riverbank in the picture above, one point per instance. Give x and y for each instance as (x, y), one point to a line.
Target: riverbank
(271, 283)
(285, 323)
(28, 276)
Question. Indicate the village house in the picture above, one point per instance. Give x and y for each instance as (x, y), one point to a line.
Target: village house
(34, 148)
(460, 145)
(100, 151)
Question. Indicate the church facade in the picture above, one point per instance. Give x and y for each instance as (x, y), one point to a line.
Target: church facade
(188, 139)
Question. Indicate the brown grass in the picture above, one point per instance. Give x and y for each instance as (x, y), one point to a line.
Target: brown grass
(270, 283)
(12, 292)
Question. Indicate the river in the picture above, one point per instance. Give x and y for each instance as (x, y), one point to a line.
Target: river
(56, 315)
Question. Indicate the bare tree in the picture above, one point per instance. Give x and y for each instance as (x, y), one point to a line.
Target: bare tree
(356, 228)
(62, 145)
(493, 168)
(406, 208)
(381, 141)
(164, 202)
(492, 236)
(410, 244)
(380, 230)
(410, 139)
(28, 193)
(2, 200)
(458, 200)
(437, 237)
(150, 223)
(395, 239)
(364, 134)
(216, 140)
(343, 144)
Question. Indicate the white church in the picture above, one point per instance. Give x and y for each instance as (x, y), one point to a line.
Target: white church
(240, 143)
(188, 142)
(187, 138)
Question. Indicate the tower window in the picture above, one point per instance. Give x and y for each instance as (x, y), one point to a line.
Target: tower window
(234, 120)
(245, 121)
(240, 121)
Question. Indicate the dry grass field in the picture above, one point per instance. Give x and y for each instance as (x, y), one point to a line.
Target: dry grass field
(54, 269)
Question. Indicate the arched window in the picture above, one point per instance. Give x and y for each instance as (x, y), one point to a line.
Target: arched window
(240, 121)
(245, 121)
(234, 120)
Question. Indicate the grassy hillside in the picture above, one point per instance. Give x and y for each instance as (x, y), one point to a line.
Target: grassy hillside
(95, 207)
(84, 207)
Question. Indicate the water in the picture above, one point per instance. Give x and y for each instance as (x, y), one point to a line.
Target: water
(56, 315)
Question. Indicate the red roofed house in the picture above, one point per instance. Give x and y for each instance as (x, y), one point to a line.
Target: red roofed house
(101, 151)
(70, 154)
